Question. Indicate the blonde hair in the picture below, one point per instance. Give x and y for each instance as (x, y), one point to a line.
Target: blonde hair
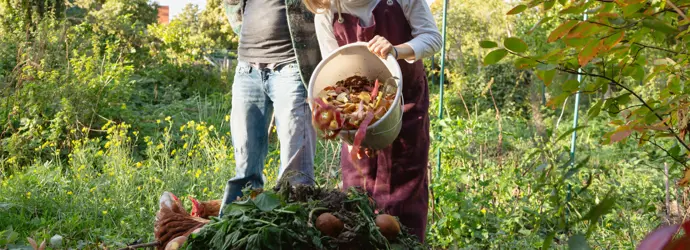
(314, 5)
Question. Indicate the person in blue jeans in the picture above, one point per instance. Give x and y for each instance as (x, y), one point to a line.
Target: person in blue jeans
(277, 54)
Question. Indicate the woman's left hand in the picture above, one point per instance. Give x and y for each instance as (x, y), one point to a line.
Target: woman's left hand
(380, 46)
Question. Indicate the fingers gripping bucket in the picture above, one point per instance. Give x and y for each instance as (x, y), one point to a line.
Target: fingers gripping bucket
(356, 59)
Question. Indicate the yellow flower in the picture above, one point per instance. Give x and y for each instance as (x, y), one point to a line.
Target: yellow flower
(158, 121)
(100, 153)
(28, 195)
(227, 118)
(185, 145)
(105, 212)
(198, 173)
(483, 211)
(173, 152)
(69, 192)
(139, 164)
(92, 189)
(182, 128)
(139, 188)
(205, 190)
(168, 118)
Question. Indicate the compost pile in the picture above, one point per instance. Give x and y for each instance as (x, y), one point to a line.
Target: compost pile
(351, 104)
(303, 217)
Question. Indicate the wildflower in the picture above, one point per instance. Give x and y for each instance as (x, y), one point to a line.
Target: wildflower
(483, 210)
(28, 195)
(173, 152)
(139, 164)
(185, 145)
(205, 190)
(211, 128)
(227, 118)
(158, 121)
(105, 212)
(100, 153)
(182, 128)
(198, 173)
(92, 189)
(139, 188)
(160, 146)
(167, 119)
(69, 192)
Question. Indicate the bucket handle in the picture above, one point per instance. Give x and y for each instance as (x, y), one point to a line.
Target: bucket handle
(402, 100)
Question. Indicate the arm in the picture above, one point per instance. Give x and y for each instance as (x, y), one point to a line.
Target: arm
(234, 10)
(324, 33)
(427, 39)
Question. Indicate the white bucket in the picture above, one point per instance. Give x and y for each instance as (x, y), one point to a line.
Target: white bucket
(356, 59)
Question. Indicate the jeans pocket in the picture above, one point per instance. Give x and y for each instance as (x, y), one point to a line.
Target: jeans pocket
(243, 68)
(291, 69)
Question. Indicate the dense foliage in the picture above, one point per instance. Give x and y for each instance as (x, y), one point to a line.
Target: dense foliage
(102, 109)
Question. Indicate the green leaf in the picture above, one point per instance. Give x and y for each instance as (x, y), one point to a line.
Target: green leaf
(675, 151)
(488, 44)
(545, 67)
(632, 10)
(595, 109)
(548, 240)
(562, 30)
(548, 4)
(517, 9)
(563, 2)
(602, 208)
(572, 171)
(546, 76)
(614, 39)
(578, 242)
(577, 42)
(495, 56)
(525, 63)
(515, 44)
(267, 201)
(568, 133)
(658, 25)
(570, 86)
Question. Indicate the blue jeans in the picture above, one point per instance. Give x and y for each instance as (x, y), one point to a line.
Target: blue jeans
(256, 94)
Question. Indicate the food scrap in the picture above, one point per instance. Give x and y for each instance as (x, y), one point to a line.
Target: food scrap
(346, 105)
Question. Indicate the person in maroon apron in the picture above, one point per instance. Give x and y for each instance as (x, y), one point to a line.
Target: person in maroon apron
(396, 176)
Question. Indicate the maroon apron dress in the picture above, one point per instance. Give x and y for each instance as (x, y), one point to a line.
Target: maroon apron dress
(397, 175)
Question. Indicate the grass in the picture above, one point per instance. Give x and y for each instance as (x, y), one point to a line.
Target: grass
(105, 193)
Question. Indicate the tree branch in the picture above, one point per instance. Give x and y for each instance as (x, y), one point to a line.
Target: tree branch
(680, 161)
(657, 48)
(639, 98)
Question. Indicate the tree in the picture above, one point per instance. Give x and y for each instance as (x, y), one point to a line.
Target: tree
(639, 47)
